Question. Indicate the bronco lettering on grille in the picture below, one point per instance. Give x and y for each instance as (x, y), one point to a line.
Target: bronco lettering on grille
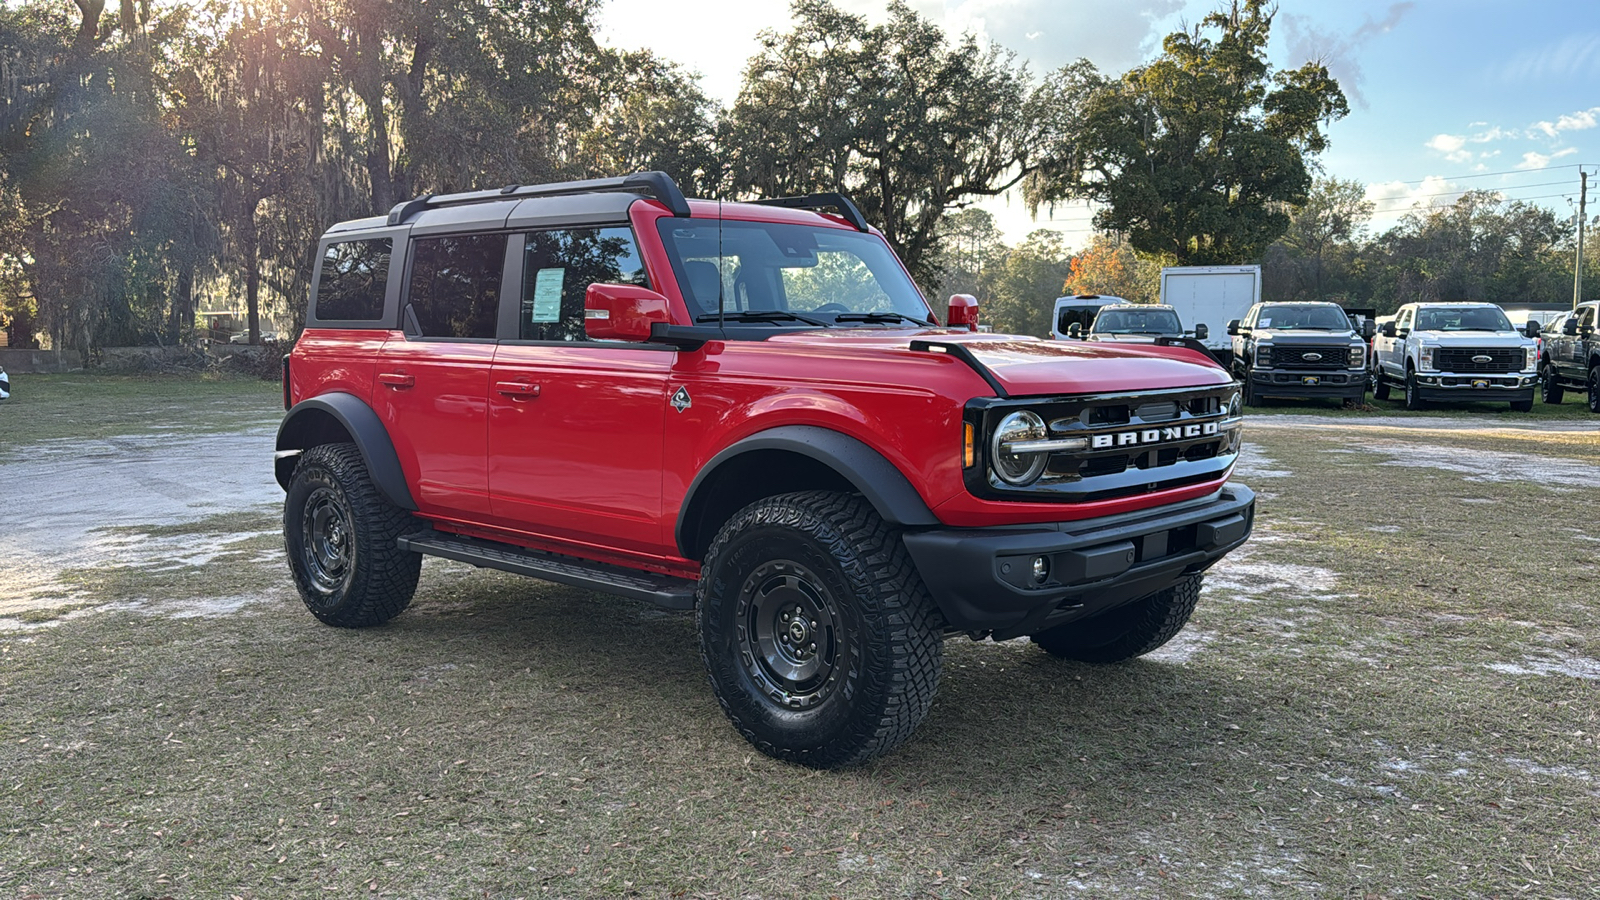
(1153, 435)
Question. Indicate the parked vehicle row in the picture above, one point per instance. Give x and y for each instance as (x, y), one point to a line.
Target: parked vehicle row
(1569, 358)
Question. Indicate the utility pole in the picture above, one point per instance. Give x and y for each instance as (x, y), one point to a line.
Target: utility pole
(1577, 270)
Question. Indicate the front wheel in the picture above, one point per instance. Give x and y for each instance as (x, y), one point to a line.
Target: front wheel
(1549, 386)
(1127, 631)
(1414, 399)
(1251, 396)
(1522, 405)
(1380, 387)
(821, 642)
(1594, 389)
(341, 534)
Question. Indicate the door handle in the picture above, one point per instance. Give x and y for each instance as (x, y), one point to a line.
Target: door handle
(517, 388)
(396, 379)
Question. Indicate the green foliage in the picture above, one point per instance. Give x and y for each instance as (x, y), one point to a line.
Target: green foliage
(1025, 283)
(1319, 256)
(907, 124)
(1195, 154)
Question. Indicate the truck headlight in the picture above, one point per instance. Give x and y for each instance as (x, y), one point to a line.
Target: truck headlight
(1532, 362)
(1264, 356)
(1425, 358)
(1358, 356)
(1018, 468)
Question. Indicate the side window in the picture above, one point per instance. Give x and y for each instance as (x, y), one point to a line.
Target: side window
(353, 279)
(1252, 316)
(1586, 317)
(1405, 318)
(557, 269)
(455, 284)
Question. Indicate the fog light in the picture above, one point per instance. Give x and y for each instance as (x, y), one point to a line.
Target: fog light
(1041, 569)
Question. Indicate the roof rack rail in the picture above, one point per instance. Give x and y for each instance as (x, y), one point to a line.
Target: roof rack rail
(657, 184)
(838, 202)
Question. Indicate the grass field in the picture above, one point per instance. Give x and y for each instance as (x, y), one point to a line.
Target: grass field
(1392, 691)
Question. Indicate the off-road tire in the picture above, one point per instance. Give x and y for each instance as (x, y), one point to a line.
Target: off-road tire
(1380, 387)
(1594, 389)
(1414, 399)
(873, 630)
(340, 536)
(1522, 405)
(1128, 631)
(1549, 385)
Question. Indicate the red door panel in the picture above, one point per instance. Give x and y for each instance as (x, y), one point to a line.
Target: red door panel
(432, 396)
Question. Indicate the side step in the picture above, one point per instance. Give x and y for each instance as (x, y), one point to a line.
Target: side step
(662, 590)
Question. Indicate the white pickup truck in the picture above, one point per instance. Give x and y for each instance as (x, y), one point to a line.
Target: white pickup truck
(1452, 352)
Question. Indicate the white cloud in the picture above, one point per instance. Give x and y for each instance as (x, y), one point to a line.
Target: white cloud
(1115, 35)
(1447, 143)
(1393, 198)
(1581, 120)
(1531, 160)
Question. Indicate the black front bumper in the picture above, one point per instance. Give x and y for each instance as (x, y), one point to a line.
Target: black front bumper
(983, 578)
(1299, 384)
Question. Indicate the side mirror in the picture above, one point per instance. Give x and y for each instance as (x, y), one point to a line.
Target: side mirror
(963, 312)
(622, 312)
(1531, 329)
(1201, 332)
(1389, 330)
(1074, 330)
(1570, 327)
(1368, 330)
(1233, 327)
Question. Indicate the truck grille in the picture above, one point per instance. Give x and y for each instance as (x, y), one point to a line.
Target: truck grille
(1489, 361)
(1294, 357)
(1139, 443)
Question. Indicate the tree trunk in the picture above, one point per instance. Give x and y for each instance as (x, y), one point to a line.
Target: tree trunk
(251, 245)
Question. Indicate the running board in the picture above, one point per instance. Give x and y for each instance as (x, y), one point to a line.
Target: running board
(662, 590)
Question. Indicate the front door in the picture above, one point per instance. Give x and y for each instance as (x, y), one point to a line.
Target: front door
(575, 426)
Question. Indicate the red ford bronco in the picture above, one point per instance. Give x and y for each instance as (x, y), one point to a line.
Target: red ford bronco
(748, 410)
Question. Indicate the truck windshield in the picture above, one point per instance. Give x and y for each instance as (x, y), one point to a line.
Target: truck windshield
(1314, 318)
(1463, 318)
(1137, 321)
(790, 274)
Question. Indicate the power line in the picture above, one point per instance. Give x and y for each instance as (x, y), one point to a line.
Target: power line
(1487, 174)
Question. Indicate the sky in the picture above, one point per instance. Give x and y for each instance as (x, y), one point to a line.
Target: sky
(1445, 95)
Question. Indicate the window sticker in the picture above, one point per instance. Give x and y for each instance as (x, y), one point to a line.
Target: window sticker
(1265, 323)
(547, 295)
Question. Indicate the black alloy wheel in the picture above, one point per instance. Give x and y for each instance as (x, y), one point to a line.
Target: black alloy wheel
(821, 642)
(1594, 389)
(1549, 386)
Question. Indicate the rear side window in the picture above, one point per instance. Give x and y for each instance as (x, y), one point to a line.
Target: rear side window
(559, 266)
(354, 275)
(455, 284)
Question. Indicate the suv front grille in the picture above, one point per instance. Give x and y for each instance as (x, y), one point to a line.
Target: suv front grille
(1140, 443)
(1466, 360)
(1294, 357)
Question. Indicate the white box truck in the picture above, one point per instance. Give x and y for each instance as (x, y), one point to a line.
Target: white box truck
(1213, 296)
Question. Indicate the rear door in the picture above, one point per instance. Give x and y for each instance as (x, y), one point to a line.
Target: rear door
(575, 426)
(433, 379)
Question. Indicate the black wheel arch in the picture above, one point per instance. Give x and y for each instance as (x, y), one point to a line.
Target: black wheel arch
(338, 417)
(787, 459)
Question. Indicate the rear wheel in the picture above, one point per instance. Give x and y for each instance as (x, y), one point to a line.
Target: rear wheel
(1549, 386)
(341, 534)
(821, 642)
(1127, 631)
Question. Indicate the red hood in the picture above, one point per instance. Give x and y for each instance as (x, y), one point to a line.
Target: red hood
(1028, 366)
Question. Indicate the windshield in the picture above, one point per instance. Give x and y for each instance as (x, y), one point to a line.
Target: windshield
(1463, 318)
(789, 274)
(1313, 317)
(1137, 321)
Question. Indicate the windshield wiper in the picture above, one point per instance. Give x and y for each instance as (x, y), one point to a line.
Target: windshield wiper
(879, 317)
(760, 315)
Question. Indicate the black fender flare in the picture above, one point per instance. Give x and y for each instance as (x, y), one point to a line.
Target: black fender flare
(304, 427)
(877, 479)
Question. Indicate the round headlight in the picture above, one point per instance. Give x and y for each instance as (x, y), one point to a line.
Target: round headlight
(1018, 468)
